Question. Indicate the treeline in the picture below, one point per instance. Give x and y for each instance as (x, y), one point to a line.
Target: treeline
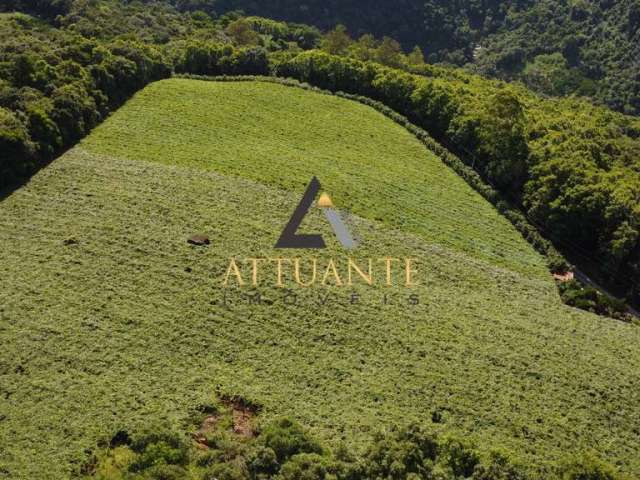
(585, 47)
(56, 83)
(573, 167)
(445, 30)
(55, 86)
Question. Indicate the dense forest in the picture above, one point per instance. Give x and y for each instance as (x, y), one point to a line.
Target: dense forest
(585, 47)
(571, 166)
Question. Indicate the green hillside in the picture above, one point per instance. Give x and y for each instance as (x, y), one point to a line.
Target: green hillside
(109, 317)
(358, 154)
(569, 166)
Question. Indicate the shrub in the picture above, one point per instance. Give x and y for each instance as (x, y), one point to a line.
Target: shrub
(461, 458)
(263, 460)
(287, 438)
(304, 466)
(226, 471)
(410, 451)
(166, 472)
(498, 468)
(159, 447)
(15, 147)
(577, 295)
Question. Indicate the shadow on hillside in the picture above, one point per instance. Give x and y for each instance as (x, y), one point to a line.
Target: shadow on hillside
(8, 190)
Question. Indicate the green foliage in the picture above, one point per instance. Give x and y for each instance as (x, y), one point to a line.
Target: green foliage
(45, 8)
(575, 294)
(551, 74)
(15, 145)
(285, 34)
(242, 32)
(304, 466)
(165, 472)
(217, 59)
(63, 86)
(387, 51)
(447, 30)
(461, 458)
(159, 448)
(287, 438)
(337, 41)
(398, 456)
(587, 48)
(497, 467)
(262, 461)
(416, 57)
(401, 454)
(501, 141)
(226, 471)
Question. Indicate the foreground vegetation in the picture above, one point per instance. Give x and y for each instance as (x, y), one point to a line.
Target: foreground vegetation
(112, 321)
(227, 442)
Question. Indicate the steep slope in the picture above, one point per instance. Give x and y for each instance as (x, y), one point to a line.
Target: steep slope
(109, 318)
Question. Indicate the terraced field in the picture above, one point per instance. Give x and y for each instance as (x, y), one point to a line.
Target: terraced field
(108, 317)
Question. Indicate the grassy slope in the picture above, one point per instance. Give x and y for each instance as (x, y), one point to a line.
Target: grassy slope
(283, 136)
(113, 331)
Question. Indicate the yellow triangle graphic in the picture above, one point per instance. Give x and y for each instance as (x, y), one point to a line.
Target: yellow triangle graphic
(325, 201)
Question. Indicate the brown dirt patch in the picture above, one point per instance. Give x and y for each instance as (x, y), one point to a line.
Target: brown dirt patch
(243, 414)
(243, 422)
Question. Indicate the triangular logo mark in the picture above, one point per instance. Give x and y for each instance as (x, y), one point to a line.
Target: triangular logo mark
(289, 237)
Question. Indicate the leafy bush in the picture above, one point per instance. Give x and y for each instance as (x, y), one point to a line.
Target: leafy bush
(577, 295)
(410, 451)
(159, 447)
(461, 458)
(304, 466)
(263, 460)
(226, 471)
(287, 438)
(15, 146)
(498, 467)
(166, 472)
